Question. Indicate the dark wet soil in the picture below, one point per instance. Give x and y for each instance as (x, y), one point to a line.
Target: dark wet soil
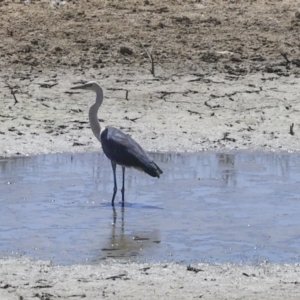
(203, 37)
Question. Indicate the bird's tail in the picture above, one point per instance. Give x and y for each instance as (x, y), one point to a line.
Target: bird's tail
(153, 169)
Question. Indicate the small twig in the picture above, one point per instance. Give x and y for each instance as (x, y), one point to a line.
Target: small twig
(284, 55)
(132, 120)
(9, 32)
(116, 277)
(211, 106)
(12, 92)
(194, 112)
(292, 129)
(193, 269)
(47, 85)
(120, 89)
(151, 59)
(226, 138)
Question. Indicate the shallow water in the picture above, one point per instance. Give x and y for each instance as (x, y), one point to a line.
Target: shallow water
(214, 207)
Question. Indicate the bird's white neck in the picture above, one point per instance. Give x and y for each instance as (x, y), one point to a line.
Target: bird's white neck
(95, 125)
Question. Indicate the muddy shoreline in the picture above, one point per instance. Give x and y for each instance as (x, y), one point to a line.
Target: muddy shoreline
(41, 280)
(216, 112)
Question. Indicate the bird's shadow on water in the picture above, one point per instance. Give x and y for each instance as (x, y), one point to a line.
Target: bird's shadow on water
(126, 242)
(130, 205)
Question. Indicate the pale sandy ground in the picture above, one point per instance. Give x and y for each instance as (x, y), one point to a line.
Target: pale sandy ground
(23, 279)
(254, 111)
(171, 113)
(227, 76)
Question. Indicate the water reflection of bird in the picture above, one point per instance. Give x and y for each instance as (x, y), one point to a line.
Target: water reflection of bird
(128, 244)
(119, 147)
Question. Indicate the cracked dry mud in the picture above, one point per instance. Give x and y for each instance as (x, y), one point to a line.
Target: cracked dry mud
(212, 112)
(226, 76)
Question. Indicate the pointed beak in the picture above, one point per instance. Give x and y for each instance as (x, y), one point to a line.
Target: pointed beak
(81, 87)
(78, 87)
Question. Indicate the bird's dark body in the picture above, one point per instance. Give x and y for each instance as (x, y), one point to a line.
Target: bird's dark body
(125, 151)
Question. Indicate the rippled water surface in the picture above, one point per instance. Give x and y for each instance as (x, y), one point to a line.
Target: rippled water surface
(215, 207)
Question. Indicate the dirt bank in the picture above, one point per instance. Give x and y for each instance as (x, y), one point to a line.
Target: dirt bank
(41, 280)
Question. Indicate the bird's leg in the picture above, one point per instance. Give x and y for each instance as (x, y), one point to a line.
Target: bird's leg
(123, 221)
(114, 165)
(114, 216)
(123, 188)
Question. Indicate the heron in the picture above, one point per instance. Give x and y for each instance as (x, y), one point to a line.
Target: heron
(119, 147)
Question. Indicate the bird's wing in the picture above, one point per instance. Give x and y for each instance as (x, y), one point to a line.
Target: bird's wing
(122, 149)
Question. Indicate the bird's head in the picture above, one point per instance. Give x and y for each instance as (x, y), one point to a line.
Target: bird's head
(92, 86)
